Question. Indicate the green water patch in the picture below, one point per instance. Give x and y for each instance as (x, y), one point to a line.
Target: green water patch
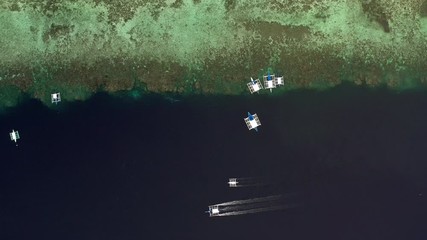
(46, 81)
(10, 96)
(188, 85)
(42, 86)
(423, 12)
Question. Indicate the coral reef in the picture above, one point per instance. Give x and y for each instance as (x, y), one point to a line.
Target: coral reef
(212, 47)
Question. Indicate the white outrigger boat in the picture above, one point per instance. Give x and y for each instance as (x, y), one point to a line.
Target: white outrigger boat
(55, 97)
(254, 85)
(252, 121)
(14, 136)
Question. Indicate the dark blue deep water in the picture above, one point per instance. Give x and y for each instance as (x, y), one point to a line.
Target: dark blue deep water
(114, 168)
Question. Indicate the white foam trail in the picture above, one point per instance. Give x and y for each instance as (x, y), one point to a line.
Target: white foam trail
(242, 207)
(258, 210)
(249, 182)
(252, 205)
(239, 184)
(253, 200)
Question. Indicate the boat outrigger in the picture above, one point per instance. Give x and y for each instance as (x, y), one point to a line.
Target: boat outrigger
(254, 85)
(252, 121)
(55, 97)
(279, 81)
(269, 81)
(14, 136)
(213, 211)
(232, 182)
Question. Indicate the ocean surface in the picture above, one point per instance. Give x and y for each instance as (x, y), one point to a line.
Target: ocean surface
(354, 160)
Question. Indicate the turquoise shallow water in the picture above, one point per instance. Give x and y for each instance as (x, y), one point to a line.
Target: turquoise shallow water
(84, 46)
(113, 168)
